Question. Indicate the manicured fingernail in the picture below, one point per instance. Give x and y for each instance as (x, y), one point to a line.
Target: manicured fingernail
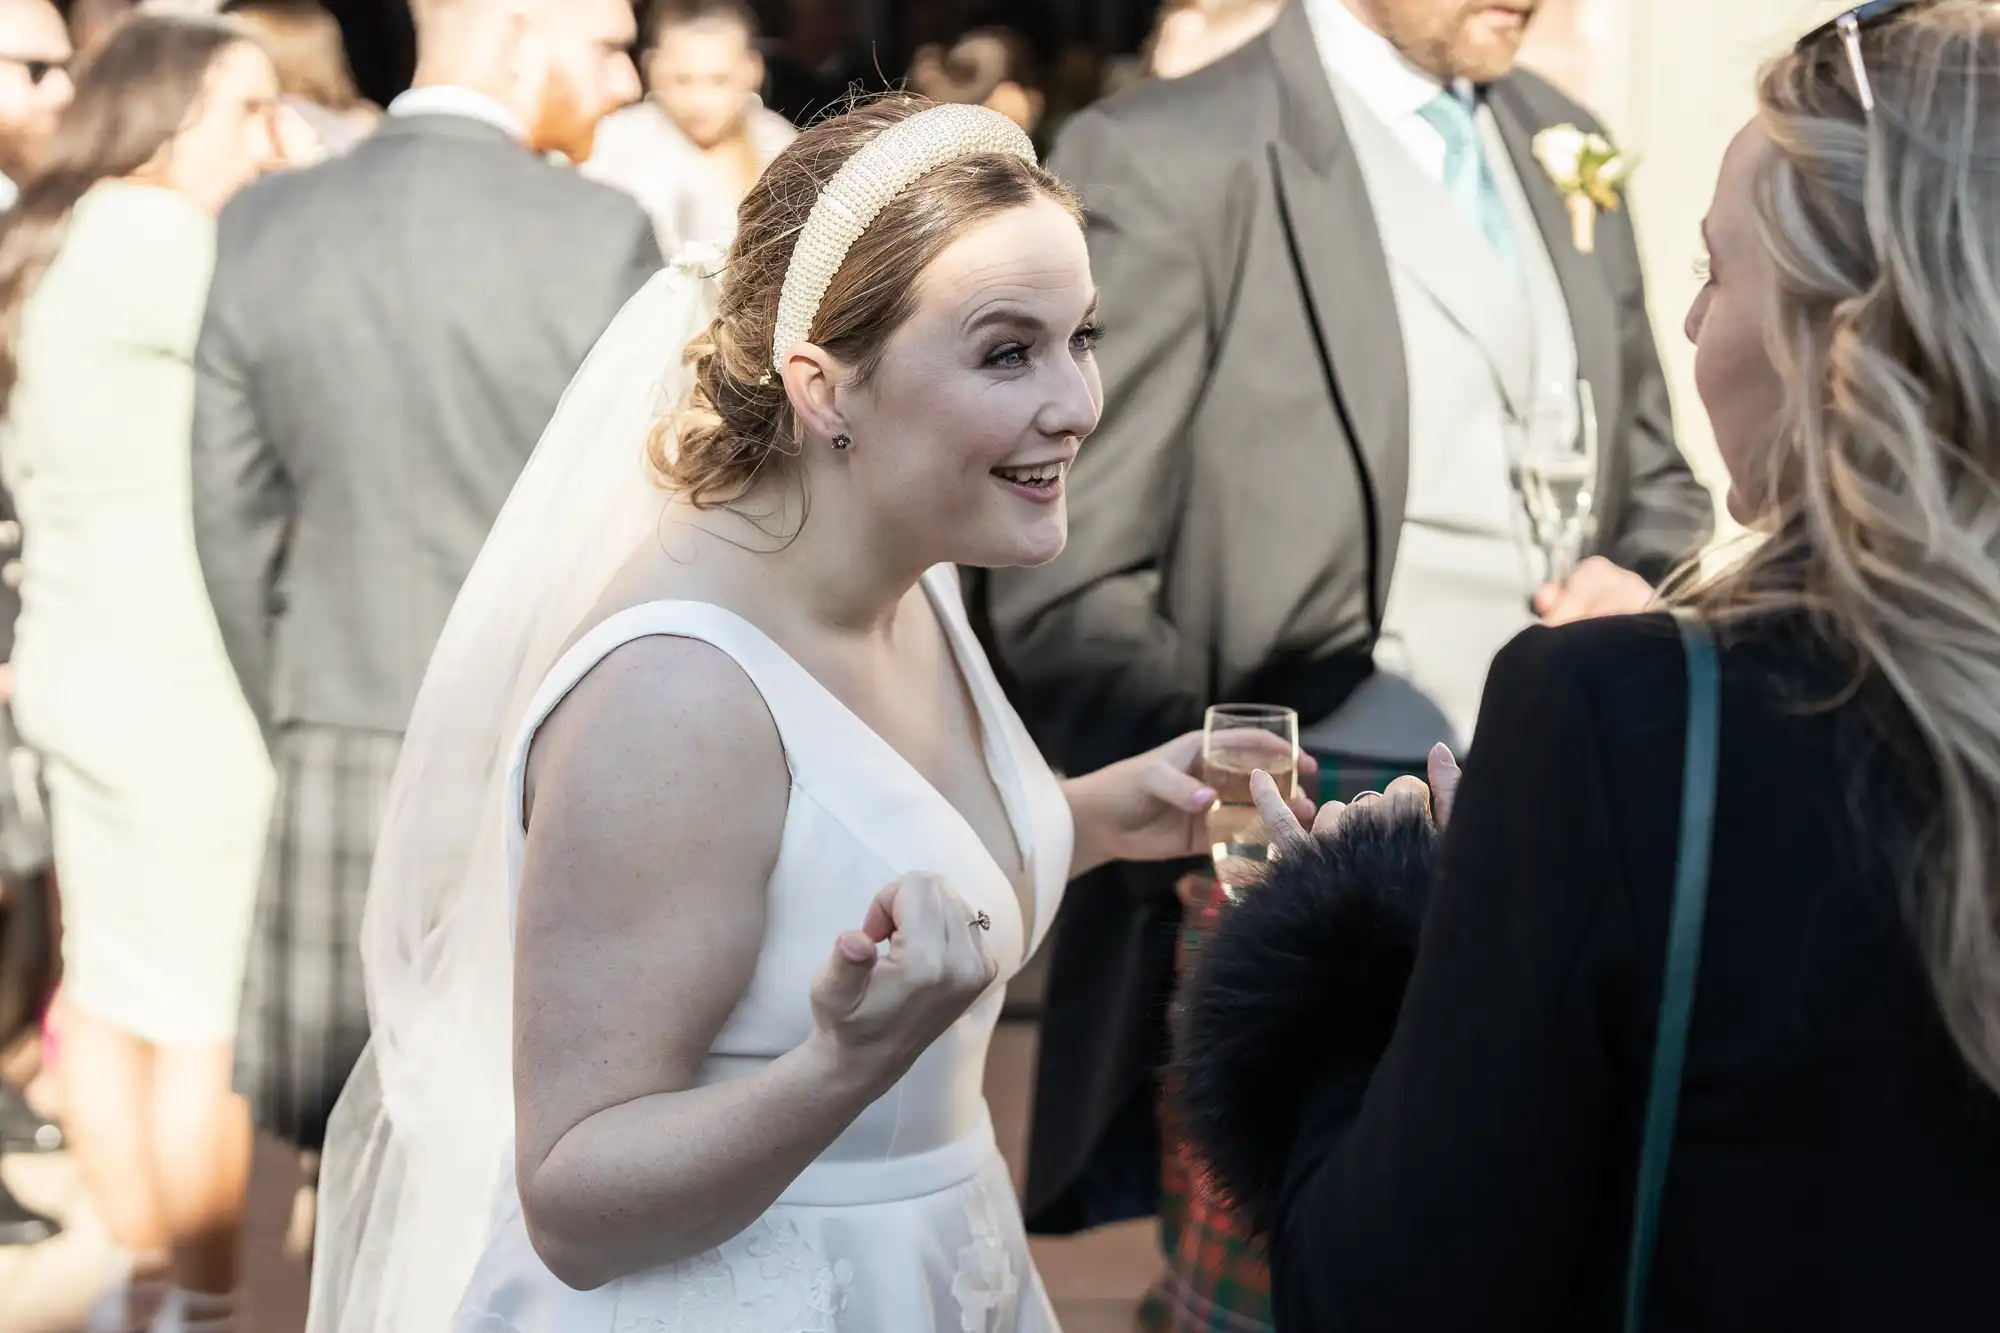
(856, 949)
(1204, 797)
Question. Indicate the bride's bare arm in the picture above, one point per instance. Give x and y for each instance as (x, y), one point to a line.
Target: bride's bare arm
(658, 791)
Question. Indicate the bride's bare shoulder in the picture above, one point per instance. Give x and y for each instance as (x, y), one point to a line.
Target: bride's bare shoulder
(655, 702)
(676, 719)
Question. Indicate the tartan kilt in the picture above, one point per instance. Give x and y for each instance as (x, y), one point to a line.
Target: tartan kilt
(1218, 1279)
(305, 1013)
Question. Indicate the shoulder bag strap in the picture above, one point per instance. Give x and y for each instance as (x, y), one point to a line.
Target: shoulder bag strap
(1690, 908)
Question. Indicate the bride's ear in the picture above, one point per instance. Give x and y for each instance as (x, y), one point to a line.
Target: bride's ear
(812, 378)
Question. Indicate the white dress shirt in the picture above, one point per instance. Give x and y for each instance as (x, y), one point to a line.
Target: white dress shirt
(450, 100)
(1367, 65)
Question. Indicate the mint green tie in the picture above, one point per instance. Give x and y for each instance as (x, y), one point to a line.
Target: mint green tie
(1466, 175)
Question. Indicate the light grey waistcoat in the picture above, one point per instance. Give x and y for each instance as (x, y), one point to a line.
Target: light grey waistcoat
(1487, 353)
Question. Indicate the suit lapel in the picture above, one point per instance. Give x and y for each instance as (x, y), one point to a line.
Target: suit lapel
(1593, 310)
(1336, 247)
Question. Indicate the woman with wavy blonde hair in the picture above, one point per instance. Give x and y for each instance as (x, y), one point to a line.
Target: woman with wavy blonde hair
(1424, 1065)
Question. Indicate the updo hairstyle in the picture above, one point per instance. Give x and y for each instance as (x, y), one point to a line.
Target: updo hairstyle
(738, 421)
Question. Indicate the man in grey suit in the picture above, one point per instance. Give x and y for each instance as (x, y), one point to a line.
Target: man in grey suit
(1340, 291)
(387, 336)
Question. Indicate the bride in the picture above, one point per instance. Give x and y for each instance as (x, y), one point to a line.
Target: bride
(714, 839)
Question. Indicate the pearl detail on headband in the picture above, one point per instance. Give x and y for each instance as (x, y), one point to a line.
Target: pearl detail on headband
(865, 185)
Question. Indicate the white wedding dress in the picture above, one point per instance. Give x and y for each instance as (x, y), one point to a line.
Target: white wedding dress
(908, 1223)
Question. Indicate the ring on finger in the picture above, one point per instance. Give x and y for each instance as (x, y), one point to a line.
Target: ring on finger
(981, 922)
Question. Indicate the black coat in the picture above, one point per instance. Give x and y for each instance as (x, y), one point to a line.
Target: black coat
(1461, 1154)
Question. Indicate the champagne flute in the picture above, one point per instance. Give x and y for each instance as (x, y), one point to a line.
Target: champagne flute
(1555, 471)
(1237, 740)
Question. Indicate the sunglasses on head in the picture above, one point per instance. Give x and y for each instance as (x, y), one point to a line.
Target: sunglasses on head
(1850, 26)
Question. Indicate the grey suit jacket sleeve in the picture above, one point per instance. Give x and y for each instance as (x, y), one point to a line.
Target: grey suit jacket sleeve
(1099, 672)
(243, 505)
(640, 248)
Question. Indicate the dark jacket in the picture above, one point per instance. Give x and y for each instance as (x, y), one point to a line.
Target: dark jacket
(1235, 519)
(1461, 1154)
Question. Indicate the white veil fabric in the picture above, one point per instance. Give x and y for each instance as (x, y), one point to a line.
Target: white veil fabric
(419, 1144)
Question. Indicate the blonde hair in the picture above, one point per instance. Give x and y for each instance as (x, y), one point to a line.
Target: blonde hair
(305, 43)
(1883, 512)
(738, 420)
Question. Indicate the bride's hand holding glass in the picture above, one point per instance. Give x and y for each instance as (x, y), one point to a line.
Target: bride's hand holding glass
(1153, 807)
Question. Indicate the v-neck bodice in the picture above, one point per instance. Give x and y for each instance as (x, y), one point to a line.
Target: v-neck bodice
(909, 1214)
(859, 816)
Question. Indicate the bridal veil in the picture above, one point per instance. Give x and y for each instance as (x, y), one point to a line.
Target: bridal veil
(419, 1144)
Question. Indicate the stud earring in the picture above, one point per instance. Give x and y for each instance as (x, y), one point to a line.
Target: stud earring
(840, 443)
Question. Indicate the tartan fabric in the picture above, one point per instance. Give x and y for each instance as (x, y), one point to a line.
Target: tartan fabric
(1217, 1280)
(305, 1014)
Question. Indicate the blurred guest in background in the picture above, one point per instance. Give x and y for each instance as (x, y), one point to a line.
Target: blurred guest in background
(692, 148)
(387, 335)
(304, 41)
(1192, 34)
(28, 970)
(27, 904)
(35, 87)
(159, 786)
(1328, 354)
(35, 55)
(990, 67)
(91, 22)
(817, 63)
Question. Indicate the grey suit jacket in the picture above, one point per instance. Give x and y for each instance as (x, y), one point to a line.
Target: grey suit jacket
(1234, 520)
(387, 335)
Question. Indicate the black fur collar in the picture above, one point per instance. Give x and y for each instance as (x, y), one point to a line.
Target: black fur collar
(1302, 979)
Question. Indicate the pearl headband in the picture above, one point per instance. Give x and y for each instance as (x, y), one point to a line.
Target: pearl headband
(867, 183)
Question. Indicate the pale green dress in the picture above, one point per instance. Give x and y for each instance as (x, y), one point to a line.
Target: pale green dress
(159, 785)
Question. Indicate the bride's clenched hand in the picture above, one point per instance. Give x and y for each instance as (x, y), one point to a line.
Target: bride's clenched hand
(1152, 807)
(876, 1010)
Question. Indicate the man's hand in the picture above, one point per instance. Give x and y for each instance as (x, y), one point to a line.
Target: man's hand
(1597, 588)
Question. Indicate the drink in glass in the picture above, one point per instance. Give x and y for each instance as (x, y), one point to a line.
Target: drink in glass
(1238, 740)
(1555, 470)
